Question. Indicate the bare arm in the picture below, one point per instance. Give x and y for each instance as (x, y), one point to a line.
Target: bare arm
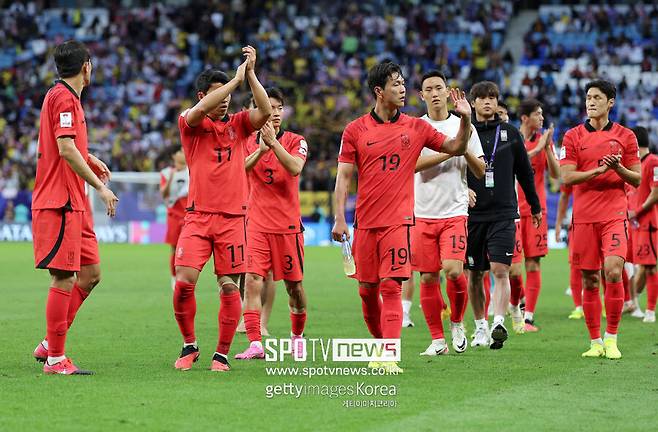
(651, 201)
(164, 190)
(553, 164)
(263, 110)
(210, 101)
(475, 164)
(70, 153)
(570, 176)
(343, 180)
(425, 162)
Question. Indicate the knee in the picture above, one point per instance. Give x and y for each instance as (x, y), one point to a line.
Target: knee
(253, 284)
(63, 280)
(453, 271)
(650, 270)
(532, 264)
(184, 274)
(92, 280)
(591, 280)
(429, 278)
(500, 272)
(613, 274)
(294, 289)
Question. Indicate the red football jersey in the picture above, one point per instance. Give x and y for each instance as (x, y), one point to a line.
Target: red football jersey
(385, 155)
(538, 163)
(274, 193)
(602, 198)
(215, 153)
(649, 180)
(56, 183)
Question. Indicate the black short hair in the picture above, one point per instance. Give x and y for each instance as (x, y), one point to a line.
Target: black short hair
(275, 93)
(528, 106)
(642, 135)
(503, 105)
(606, 87)
(69, 58)
(431, 74)
(484, 89)
(209, 77)
(379, 74)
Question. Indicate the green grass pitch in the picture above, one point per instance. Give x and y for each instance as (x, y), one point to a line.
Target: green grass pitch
(126, 333)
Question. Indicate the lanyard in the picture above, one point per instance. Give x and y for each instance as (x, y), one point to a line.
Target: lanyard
(493, 153)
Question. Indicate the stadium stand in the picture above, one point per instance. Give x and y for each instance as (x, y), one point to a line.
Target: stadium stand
(145, 60)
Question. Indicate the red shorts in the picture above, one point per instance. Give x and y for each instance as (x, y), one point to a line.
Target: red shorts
(518, 244)
(534, 240)
(64, 239)
(221, 235)
(593, 242)
(435, 240)
(175, 224)
(382, 253)
(283, 254)
(642, 245)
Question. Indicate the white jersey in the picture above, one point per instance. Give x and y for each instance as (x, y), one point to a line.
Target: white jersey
(180, 184)
(442, 191)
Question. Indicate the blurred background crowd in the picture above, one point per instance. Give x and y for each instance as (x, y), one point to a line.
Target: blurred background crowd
(146, 57)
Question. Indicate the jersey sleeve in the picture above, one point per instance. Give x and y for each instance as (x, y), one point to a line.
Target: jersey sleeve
(568, 154)
(183, 126)
(299, 148)
(242, 124)
(64, 117)
(474, 144)
(347, 152)
(433, 139)
(631, 154)
(653, 180)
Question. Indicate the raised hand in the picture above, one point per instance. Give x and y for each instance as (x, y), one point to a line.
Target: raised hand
(547, 136)
(240, 72)
(462, 107)
(613, 161)
(249, 53)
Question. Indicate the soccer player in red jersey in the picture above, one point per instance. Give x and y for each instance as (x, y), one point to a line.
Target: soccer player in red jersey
(598, 158)
(643, 216)
(575, 278)
(535, 240)
(62, 225)
(274, 229)
(214, 145)
(174, 187)
(384, 145)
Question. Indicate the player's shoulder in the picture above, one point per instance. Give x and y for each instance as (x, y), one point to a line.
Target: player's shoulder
(575, 132)
(59, 94)
(358, 125)
(622, 132)
(239, 116)
(292, 136)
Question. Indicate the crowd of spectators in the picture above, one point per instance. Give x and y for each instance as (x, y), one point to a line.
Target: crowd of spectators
(145, 60)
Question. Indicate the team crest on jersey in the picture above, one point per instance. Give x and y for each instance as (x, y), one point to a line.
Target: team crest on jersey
(406, 142)
(615, 147)
(231, 133)
(179, 252)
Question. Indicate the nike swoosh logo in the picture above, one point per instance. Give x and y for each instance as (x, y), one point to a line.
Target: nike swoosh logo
(396, 268)
(462, 346)
(508, 254)
(236, 265)
(369, 143)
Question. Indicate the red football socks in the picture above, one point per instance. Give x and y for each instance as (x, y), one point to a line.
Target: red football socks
(627, 287)
(432, 305)
(614, 303)
(486, 282)
(391, 316)
(297, 321)
(516, 289)
(371, 305)
(532, 289)
(458, 296)
(252, 325)
(229, 315)
(57, 308)
(652, 290)
(592, 310)
(78, 296)
(576, 283)
(185, 309)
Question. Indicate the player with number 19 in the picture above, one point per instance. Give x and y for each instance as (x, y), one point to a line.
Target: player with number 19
(384, 146)
(214, 145)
